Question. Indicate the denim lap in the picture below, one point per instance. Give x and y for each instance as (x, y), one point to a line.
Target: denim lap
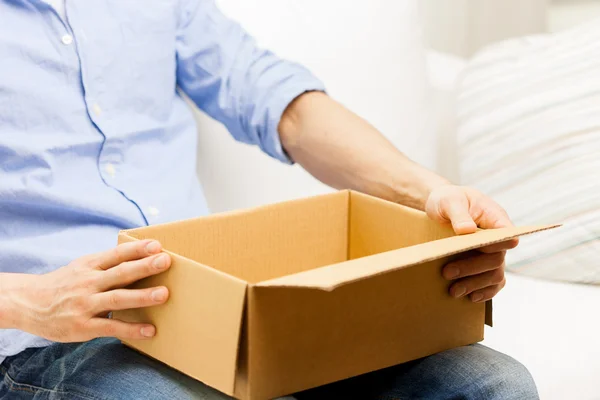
(104, 369)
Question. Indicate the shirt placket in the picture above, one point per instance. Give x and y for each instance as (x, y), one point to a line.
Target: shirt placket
(110, 157)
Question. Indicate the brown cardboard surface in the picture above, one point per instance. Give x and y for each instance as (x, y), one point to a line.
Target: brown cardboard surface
(263, 242)
(278, 299)
(198, 328)
(308, 337)
(370, 217)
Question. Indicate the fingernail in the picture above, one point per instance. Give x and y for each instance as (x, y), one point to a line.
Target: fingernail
(465, 225)
(148, 331)
(459, 290)
(477, 297)
(160, 262)
(153, 247)
(159, 295)
(451, 272)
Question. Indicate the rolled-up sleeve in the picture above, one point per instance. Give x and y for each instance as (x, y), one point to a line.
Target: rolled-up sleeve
(220, 67)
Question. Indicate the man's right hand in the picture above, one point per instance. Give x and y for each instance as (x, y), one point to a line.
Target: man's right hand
(71, 304)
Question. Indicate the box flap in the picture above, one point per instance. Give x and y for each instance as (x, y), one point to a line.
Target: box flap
(333, 276)
(198, 328)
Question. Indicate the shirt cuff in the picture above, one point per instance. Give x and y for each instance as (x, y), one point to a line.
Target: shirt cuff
(279, 102)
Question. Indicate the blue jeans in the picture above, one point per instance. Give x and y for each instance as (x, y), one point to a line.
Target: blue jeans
(105, 369)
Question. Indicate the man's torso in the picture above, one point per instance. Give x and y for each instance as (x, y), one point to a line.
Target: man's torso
(93, 135)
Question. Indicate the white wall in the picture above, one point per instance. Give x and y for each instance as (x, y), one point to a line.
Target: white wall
(564, 14)
(371, 58)
(461, 27)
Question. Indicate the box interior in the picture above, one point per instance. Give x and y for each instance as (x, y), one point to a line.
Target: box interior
(286, 238)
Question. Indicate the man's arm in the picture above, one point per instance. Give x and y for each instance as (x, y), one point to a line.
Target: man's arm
(344, 151)
(245, 87)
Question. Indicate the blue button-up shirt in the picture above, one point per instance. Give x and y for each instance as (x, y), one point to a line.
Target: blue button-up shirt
(94, 135)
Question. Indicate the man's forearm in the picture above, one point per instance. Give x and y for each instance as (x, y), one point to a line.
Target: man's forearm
(10, 312)
(344, 151)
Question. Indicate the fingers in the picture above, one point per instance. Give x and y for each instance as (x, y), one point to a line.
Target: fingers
(473, 265)
(132, 271)
(126, 252)
(498, 247)
(103, 327)
(489, 215)
(487, 293)
(476, 283)
(456, 210)
(123, 299)
(466, 209)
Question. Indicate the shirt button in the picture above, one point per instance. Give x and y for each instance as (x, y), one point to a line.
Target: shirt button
(67, 39)
(96, 109)
(110, 170)
(153, 211)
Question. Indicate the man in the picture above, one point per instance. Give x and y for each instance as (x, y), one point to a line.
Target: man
(94, 138)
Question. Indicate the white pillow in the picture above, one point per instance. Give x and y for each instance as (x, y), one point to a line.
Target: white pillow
(370, 57)
(529, 136)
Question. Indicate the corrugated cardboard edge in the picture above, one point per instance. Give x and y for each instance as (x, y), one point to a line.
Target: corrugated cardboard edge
(489, 321)
(330, 277)
(232, 213)
(349, 223)
(227, 379)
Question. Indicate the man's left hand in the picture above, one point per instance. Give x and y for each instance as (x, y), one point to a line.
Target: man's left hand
(480, 275)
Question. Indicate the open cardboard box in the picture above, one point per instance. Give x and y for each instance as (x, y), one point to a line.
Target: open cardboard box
(281, 298)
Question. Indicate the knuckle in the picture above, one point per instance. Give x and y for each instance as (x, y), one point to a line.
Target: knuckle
(91, 262)
(117, 252)
(445, 202)
(470, 265)
(137, 269)
(140, 249)
(80, 326)
(148, 265)
(79, 304)
(145, 297)
(497, 258)
(110, 330)
(120, 272)
(87, 282)
(476, 210)
(113, 300)
(133, 331)
(503, 283)
(497, 276)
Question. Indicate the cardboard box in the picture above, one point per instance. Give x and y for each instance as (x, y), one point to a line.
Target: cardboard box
(281, 298)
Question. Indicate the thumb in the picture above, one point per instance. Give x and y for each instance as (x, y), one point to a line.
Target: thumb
(456, 209)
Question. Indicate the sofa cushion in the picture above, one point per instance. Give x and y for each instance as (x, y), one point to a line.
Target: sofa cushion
(529, 136)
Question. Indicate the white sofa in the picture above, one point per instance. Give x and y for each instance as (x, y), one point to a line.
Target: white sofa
(553, 328)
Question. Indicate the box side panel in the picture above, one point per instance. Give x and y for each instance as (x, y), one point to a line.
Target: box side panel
(265, 242)
(378, 225)
(198, 328)
(303, 338)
